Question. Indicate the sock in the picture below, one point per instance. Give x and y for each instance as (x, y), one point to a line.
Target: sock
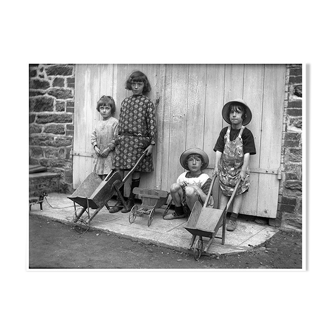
(118, 197)
(178, 210)
(134, 184)
(233, 216)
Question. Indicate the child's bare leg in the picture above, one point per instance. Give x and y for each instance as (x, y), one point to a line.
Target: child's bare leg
(237, 203)
(191, 197)
(176, 193)
(232, 224)
(177, 196)
(223, 202)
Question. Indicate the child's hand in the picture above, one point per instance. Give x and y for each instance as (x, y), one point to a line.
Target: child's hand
(111, 146)
(149, 150)
(216, 171)
(106, 152)
(243, 175)
(97, 150)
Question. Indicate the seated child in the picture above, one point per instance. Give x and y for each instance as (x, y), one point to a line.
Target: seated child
(192, 185)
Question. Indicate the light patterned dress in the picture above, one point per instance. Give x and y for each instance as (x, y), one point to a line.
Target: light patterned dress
(136, 131)
(103, 136)
(231, 164)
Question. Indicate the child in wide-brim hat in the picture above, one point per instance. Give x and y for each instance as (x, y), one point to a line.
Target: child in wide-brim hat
(233, 148)
(192, 185)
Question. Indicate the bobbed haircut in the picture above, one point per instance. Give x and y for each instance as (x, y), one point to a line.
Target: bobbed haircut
(106, 101)
(138, 76)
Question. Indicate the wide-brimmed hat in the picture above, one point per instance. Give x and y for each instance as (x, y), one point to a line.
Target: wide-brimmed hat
(226, 108)
(185, 154)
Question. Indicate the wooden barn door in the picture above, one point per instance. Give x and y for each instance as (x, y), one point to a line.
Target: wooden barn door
(189, 115)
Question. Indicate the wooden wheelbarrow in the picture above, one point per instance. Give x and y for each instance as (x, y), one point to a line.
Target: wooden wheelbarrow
(205, 222)
(94, 193)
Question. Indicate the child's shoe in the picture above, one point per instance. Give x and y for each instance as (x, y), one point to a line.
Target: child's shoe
(174, 215)
(231, 225)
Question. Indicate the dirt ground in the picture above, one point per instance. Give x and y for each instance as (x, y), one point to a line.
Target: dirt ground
(53, 245)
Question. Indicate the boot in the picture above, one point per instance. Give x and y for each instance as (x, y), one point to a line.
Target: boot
(118, 205)
(131, 199)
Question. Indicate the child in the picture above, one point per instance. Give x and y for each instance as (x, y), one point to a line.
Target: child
(136, 133)
(102, 138)
(191, 185)
(233, 148)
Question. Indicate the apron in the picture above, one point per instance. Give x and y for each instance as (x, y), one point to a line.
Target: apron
(231, 164)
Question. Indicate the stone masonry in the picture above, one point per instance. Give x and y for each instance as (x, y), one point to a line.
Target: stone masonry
(290, 194)
(51, 122)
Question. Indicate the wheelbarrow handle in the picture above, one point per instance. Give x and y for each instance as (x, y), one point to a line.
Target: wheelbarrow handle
(233, 194)
(133, 169)
(210, 190)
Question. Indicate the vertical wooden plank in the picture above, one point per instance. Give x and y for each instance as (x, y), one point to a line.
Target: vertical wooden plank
(213, 122)
(234, 75)
(161, 148)
(106, 80)
(253, 96)
(79, 121)
(213, 106)
(196, 106)
(177, 121)
(274, 85)
(165, 138)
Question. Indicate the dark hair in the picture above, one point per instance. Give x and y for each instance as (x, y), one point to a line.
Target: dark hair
(196, 155)
(138, 76)
(106, 101)
(237, 106)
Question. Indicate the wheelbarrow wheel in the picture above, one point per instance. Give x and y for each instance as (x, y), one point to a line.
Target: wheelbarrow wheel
(133, 214)
(198, 249)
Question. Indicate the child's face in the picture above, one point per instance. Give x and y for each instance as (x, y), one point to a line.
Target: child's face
(194, 163)
(137, 88)
(235, 116)
(105, 111)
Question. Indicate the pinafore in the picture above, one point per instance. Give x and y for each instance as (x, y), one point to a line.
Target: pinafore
(231, 164)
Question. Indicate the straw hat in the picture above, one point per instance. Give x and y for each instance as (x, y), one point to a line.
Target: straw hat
(226, 109)
(185, 154)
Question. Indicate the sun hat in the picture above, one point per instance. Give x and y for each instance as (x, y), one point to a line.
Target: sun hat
(187, 153)
(226, 108)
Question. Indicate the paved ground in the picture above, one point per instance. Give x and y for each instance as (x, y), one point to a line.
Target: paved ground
(165, 233)
(54, 244)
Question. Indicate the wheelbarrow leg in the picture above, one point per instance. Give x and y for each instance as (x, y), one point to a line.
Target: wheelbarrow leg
(224, 228)
(208, 245)
(79, 215)
(192, 241)
(94, 214)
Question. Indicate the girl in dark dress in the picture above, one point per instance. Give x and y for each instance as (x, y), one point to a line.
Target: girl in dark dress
(136, 133)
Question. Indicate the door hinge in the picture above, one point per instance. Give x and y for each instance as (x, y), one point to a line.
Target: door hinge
(276, 172)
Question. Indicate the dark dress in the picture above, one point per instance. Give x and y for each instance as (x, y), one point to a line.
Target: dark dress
(136, 131)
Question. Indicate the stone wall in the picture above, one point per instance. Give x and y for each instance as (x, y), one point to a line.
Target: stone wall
(290, 195)
(51, 116)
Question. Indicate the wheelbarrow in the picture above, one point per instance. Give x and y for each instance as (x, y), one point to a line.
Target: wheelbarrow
(205, 222)
(152, 199)
(94, 193)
